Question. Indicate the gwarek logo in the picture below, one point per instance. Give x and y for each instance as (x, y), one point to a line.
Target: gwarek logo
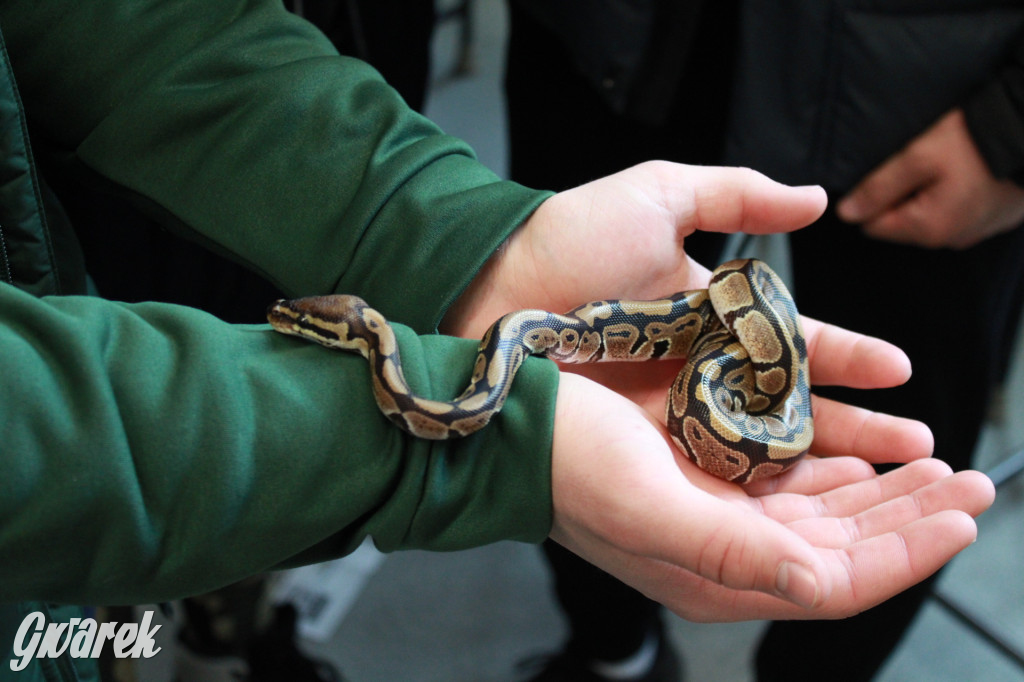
(82, 638)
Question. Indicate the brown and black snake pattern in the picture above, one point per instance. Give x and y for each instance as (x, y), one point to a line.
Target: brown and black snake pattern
(740, 408)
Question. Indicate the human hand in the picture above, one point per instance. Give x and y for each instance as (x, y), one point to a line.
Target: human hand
(628, 501)
(827, 539)
(623, 237)
(836, 357)
(936, 192)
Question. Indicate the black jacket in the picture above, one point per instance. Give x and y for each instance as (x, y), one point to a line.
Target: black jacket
(632, 51)
(825, 89)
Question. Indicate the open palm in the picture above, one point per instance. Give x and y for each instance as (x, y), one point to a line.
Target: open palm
(827, 539)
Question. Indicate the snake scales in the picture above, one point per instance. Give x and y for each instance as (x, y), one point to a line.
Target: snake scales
(740, 408)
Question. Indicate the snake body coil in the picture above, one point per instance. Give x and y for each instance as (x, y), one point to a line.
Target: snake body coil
(740, 408)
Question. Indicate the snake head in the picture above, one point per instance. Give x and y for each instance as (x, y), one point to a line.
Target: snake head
(324, 319)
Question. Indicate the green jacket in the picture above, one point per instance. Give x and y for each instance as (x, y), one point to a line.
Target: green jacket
(152, 451)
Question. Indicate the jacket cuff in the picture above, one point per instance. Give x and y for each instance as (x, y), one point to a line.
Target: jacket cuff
(494, 484)
(452, 215)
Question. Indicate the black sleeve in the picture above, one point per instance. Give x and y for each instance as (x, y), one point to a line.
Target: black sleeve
(995, 118)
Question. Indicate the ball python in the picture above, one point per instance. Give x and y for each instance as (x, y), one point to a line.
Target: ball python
(740, 408)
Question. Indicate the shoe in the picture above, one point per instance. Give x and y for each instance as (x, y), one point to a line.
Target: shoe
(274, 655)
(567, 666)
(192, 666)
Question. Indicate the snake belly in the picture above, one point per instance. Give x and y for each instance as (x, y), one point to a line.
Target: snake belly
(740, 408)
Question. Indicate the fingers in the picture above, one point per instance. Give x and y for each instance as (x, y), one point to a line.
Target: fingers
(920, 488)
(837, 356)
(968, 491)
(841, 357)
(885, 188)
(861, 575)
(869, 572)
(917, 526)
(916, 221)
(898, 200)
(813, 475)
(852, 573)
(854, 497)
(735, 547)
(845, 430)
(937, 192)
(976, 495)
(720, 199)
(830, 542)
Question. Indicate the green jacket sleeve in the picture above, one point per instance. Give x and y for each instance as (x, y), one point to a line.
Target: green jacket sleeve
(238, 124)
(153, 451)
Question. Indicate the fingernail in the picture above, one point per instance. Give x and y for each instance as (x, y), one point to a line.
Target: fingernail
(811, 189)
(797, 584)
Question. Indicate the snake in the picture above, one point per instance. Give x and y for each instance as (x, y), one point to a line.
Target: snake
(740, 407)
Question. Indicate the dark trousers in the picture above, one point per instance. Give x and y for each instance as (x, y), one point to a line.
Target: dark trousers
(942, 307)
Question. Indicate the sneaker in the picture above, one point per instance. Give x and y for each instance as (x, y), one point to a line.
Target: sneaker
(274, 655)
(567, 666)
(192, 666)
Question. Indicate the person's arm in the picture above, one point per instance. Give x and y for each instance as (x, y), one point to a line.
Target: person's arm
(237, 124)
(212, 130)
(152, 451)
(163, 452)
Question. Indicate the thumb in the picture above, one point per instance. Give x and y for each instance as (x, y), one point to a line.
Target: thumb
(744, 550)
(723, 199)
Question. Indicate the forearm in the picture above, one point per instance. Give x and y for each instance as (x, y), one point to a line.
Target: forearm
(165, 453)
(238, 125)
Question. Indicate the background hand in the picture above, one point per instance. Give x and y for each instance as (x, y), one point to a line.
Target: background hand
(936, 192)
(827, 539)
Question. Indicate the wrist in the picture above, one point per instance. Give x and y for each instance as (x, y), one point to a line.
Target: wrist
(497, 287)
